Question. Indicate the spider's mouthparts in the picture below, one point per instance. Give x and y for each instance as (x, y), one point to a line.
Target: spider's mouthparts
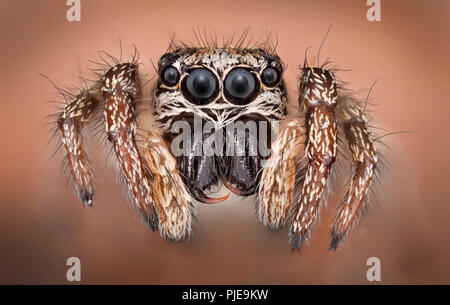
(237, 191)
(217, 200)
(233, 189)
(200, 196)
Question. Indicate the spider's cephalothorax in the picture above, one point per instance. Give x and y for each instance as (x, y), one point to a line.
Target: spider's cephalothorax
(222, 86)
(237, 98)
(219, 84)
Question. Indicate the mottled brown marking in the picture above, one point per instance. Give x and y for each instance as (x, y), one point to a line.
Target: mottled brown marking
(318, 96)
(75, 114)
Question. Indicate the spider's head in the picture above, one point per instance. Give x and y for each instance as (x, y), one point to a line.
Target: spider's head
(219, 84)
(225, 87)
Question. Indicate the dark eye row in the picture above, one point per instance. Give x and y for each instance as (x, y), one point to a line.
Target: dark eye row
(201, 86)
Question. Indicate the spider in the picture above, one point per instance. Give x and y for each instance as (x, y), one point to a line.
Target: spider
(221, 85)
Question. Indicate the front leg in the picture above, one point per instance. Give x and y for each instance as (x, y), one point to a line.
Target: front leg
(120, 89)
(151, 173)
(318, 97)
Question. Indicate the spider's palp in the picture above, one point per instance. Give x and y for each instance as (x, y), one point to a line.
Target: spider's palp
(175, 204)
(277, 186)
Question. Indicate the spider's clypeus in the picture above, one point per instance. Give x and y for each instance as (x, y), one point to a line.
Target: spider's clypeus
(221, 86)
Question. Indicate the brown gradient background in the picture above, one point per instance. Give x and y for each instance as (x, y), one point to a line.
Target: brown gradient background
(42, 223)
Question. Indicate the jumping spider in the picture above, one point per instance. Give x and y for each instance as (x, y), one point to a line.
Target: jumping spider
(222, 85)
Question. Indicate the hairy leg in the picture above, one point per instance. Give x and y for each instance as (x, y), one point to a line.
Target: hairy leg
(151, 175)
(364, 160)
(174, 203)
(77, 111)
(276, 189)
(120, 90)
(318, 97)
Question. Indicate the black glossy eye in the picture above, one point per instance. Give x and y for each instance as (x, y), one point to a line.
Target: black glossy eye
(270, 77)
(170, 76)
(240, 86)
(200, 86)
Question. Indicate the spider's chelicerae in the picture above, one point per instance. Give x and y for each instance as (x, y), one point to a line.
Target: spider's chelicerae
(167, 172)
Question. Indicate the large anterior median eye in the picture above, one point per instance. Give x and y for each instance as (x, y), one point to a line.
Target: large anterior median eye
(200, 86)
(241, 86)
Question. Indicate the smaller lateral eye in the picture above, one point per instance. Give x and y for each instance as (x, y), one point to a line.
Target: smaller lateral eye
(170, 76)
(270, 77)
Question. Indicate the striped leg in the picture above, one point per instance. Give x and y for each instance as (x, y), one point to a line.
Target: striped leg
(76, 112)
(120, 89)
(151, 176)
(364, 159)
(318, 95)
